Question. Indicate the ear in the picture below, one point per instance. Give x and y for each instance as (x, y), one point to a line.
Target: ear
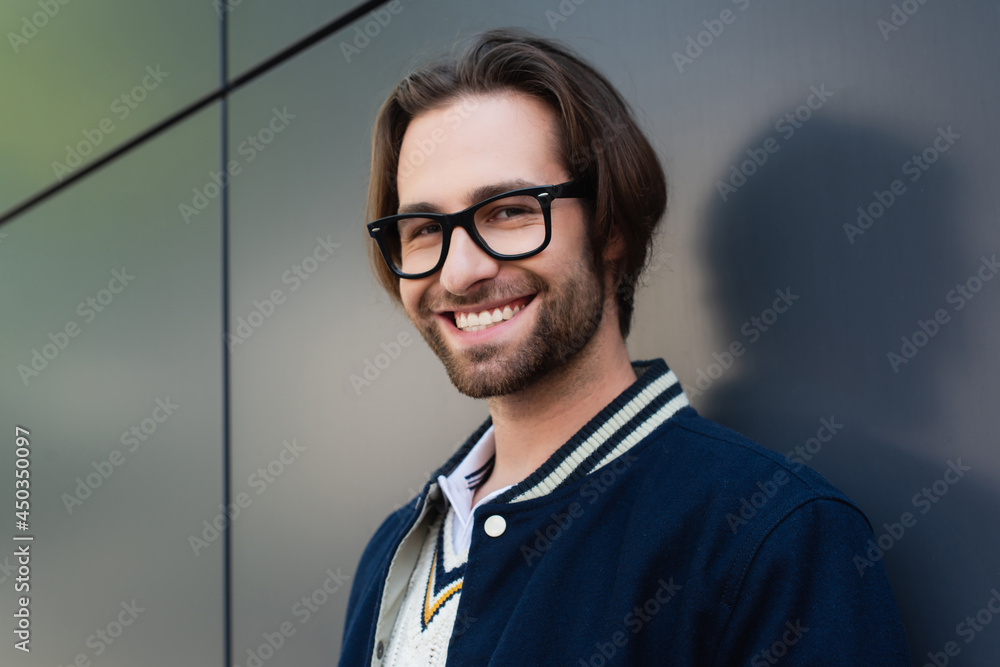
(615, 248)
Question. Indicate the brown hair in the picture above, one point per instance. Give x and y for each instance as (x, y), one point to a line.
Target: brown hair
(599, 141)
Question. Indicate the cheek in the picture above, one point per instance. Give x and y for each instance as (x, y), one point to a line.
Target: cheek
(410, 293)
(569, 234)
(568, 251)
(406, 296)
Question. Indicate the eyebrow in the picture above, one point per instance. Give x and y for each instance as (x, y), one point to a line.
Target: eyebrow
(475, 195)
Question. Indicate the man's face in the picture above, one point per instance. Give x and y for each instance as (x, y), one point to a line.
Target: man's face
(508, 142)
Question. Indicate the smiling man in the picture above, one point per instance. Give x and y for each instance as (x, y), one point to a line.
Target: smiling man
(595, 518)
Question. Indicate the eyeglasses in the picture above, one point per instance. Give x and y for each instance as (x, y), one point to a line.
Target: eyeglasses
(511, 225)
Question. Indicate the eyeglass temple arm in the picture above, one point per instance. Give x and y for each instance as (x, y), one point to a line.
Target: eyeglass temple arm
(576, 188)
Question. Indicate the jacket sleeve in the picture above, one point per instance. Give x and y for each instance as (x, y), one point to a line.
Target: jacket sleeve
(808, 594)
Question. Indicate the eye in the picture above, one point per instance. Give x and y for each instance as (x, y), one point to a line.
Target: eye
(427, 229)
(512, 212)
(414, 229)
(509, 209)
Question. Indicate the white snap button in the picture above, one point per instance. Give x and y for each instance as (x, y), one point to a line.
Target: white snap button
(495, 525)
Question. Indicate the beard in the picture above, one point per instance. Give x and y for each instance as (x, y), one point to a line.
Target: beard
(567, 318)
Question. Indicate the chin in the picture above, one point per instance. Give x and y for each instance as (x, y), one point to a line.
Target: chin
(492, 370)
(487, 381)
(560, 320)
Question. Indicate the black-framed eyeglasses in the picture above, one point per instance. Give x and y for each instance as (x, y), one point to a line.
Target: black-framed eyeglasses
(510, 225)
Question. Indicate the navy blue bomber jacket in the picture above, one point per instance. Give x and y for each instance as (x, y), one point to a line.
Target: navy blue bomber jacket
(652, 537)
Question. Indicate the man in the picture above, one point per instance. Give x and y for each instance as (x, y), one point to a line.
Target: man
(595, 518)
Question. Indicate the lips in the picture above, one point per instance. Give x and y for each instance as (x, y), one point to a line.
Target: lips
(484, 317)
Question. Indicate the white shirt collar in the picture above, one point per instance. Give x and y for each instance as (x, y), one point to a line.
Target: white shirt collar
(460, 486)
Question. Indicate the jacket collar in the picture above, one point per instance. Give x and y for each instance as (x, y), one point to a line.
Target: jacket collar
(651, 400)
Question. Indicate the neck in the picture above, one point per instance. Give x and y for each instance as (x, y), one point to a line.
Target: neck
(529, 426)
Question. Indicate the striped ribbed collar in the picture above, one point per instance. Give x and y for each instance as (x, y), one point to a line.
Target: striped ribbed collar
(651, 400)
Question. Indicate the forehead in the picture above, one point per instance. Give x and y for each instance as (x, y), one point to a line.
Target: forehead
(474, 141)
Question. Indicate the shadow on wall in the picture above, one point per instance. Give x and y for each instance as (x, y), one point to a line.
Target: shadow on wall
(776, 239)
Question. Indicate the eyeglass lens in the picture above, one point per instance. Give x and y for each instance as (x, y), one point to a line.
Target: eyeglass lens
(508, 226)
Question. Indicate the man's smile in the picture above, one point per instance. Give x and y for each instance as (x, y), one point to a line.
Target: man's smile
(476, 318)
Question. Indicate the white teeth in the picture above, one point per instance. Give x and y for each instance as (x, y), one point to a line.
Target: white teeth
(484, 319)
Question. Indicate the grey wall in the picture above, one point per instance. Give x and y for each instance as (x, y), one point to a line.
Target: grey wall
(353, 451)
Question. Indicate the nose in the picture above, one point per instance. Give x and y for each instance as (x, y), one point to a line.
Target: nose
(466, 264)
